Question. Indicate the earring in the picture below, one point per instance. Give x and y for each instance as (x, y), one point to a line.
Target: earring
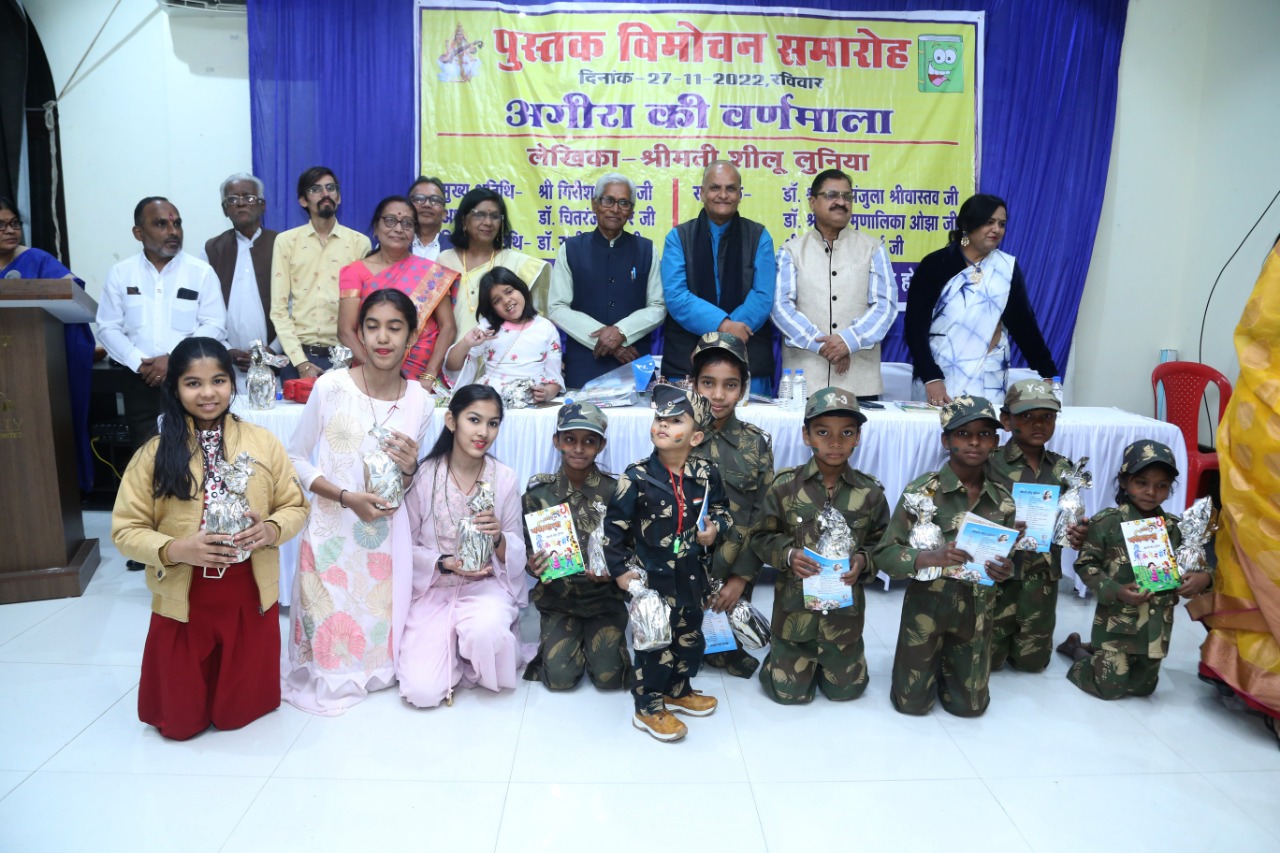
(964, 239)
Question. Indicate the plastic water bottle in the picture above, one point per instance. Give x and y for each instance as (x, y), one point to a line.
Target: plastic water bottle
(798, 395)
(1057, 389)
(784, 390)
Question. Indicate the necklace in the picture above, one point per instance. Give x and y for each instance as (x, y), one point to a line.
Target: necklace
(369, 396)
(976, 275)
(472, 296)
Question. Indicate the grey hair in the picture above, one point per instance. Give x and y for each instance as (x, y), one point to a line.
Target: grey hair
(613, 178)
(242, 176)
(716, 164)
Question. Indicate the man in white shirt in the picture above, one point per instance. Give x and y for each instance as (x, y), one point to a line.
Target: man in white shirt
(241, 258)
(152, 301)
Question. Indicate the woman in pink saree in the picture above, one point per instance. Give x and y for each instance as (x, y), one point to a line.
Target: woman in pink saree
(392, 264)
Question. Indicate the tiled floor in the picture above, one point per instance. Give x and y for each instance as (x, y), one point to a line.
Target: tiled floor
(1047, 768)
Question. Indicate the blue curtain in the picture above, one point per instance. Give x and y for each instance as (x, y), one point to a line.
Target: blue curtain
(332, 83)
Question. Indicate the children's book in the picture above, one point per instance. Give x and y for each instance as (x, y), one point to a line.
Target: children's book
(552, 530)
(1037, 506)
(825, 590)
(718, 634)
(1151, 554)
(982, 540)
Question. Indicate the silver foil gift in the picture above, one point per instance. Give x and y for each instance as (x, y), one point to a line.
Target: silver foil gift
(748, 624)
(260, 380)
(925, 534)
(649, 615)
(518, 394)
(226, 513)
(475, 549)
(593, 515)
(381, 473)
(835, 542)
(1196, 529)
(340, 356)
(1070, 505)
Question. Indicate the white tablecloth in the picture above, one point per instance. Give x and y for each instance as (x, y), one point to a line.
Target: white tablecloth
(896, 447)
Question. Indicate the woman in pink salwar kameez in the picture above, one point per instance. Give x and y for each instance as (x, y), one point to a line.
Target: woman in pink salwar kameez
(462, 629)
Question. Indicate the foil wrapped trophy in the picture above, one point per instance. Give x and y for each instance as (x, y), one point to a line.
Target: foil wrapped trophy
(1070, 505)
(475, 549)
(1196, 529)
(382, 476)
(228, 512)
(925, 534)
(518, 394)
(835, 542)
(748, 624)
(260, 380)
(648, 613)
(593, 515)
(340, 356)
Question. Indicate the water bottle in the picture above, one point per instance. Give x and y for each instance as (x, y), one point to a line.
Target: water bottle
(798, 395)
(784, 390)
(1057, 389)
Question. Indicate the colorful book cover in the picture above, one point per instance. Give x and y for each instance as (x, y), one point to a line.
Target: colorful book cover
(717, 632)
(1037, 506)
(825, 590)
(1151, 555)
(982, 540)
(552, 530)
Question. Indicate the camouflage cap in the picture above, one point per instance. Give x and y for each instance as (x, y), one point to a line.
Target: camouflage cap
(965, 410)
(669, 401)
(1145, 452)
(833, 401)
(722, 340)
(1030, 394)
(581, 416)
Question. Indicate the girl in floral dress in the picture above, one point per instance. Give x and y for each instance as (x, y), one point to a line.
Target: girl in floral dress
(351, 594)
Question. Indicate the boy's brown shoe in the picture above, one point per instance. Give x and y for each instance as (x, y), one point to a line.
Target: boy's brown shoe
(661, 725)
(695, 704)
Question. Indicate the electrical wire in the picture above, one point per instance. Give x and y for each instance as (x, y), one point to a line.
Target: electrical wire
(93, 445)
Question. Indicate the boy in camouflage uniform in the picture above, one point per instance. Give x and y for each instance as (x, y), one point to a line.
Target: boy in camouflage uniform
(813, 650)
(744, 456)
(944, 641)
(653, 517)
(1131, 628)
(1027, 603)
(583, 616)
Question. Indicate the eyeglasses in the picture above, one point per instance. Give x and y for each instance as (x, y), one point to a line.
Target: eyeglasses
(11, 225)
(834, 195)
(482, 215)
(242, 199)
(429, 200)
(610, 201)
(390, 223)
(316, 189)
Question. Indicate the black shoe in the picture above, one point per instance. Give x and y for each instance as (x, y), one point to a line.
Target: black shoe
(134, 565)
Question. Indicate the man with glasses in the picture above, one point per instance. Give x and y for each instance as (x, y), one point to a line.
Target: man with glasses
(241, 258)
(836, 296)
(427, 195)
(606, 288)
(718, 275)
(305, 264)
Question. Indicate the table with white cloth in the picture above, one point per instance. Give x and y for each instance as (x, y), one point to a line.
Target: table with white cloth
(896, 447)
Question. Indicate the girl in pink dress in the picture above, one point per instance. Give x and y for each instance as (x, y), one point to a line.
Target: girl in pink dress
(461, 629)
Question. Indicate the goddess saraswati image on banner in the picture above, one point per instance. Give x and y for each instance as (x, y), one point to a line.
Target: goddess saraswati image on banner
(460, 60)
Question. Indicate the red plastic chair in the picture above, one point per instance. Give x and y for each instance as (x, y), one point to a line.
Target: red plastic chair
(1184, 386)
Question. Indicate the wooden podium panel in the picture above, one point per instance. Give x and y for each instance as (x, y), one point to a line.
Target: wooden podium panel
(43, 552)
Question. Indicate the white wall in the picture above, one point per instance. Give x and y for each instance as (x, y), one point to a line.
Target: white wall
(162, 106)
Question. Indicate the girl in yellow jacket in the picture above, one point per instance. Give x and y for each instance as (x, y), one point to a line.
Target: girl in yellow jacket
(212, 655)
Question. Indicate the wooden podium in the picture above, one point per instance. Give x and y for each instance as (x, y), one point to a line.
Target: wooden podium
(43, 552)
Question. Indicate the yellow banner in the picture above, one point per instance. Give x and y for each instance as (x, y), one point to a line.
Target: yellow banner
(540, 102)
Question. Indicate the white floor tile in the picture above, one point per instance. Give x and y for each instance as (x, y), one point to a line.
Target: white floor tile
(330, 814)
(44, 706)
(385, 738)
(1253, 792)
(828, 741)
(10, 779)
(58, 812)
(566, 737)
(1122, 812)
(93, 629)
(889, 816)
(118, 740)
(637, 817)
(20, 617)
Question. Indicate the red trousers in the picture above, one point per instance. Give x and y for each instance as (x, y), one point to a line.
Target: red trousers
(221, 668)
